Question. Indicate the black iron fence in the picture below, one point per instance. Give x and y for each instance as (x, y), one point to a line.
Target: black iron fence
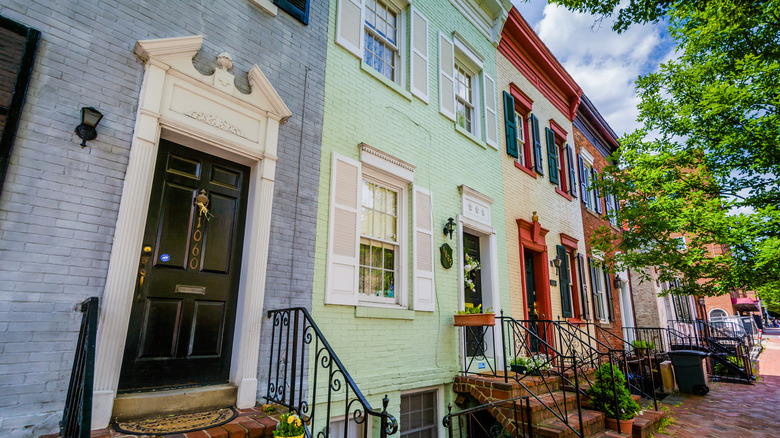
(77, 415)
(306, 376)
(481, 421)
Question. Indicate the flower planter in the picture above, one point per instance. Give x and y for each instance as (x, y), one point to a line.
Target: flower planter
(522, 369)
(475, 320)
(641, 352)
(625, 426)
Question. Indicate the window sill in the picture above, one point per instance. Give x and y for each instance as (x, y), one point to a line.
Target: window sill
(470, 136)
(266, 5)
(605, 324)
(381, 78)
(562, 193)
(383, 313)
(530, 172)
(576, 320)
(593, 212)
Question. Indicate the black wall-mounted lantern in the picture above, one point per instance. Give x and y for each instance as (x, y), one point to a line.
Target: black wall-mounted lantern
(449, 227)
(87, 130)
(618, 282)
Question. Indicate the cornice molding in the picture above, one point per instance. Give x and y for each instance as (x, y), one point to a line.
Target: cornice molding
(523, 48)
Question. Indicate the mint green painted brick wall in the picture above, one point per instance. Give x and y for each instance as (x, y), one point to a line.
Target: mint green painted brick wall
(387, 356)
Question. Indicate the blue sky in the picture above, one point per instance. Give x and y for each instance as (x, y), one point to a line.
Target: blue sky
(603, 63)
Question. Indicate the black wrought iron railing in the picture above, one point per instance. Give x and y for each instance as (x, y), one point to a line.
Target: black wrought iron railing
(553, 369)
(77, 415)
(306, 376)
(481, 421)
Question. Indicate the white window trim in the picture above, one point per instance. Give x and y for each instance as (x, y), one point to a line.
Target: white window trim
(349, 419)
(601, 290)
(470, 60)
(401, 291)
(442, 433)
(717, 309)
(402, 52)
(267, 5)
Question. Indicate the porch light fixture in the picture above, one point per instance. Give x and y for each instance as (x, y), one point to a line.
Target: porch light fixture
(87, 130)
(557, 263)
(618, 282)
(701, 301)
(449, 227)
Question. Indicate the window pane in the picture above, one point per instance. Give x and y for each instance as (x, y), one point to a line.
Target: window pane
(363, 281)
(389, 285)
(391, 228)
(376, 282)
(365, 255)
(392, 202)
(365, 222)
(389, 258)
(379, 226)
(376, 256)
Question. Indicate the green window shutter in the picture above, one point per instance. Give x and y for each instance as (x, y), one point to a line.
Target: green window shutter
(537, 145)
(510, 125)
(299, 9)
(610, 303)
(583, 180)
(552, 155)
(563, 277)
(572, 178)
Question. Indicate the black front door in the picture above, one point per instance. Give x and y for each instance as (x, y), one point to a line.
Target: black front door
(473, 296)
(184, 308)
(530, 293)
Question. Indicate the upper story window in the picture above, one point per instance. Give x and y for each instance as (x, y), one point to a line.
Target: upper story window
(467, 94)
(17, 53)
(381, 38)
(520, 136)
(464, 96)
(297, 8)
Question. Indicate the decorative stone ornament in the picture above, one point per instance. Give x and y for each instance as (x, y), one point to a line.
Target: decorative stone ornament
(225, 61)
(446, 256)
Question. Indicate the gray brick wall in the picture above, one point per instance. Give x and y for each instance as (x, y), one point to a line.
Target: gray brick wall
(59, 203)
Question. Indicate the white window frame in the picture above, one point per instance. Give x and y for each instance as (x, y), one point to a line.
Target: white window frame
(563, 171)
(591, 192)
(401, 289)
(400, 45)
(710, 316)
(520, 135)
(470, 62)
(439, 397)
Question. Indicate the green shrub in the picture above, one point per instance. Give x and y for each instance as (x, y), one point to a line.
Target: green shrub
(602, 394)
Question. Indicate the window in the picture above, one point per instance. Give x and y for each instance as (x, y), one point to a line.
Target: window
(378, 242)
(369, 233)
(464, 98)
(599, 285)
(297, 8)
(565, 278)
(590, 195)
(355, 430)
(467, 95)
(381, 38)
(520, 128)
(17, 53)
(718, 315)
(419, 415)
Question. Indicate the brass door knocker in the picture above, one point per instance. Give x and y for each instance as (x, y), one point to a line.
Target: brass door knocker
(202, 201)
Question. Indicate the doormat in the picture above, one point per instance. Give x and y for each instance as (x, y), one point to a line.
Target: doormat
(181, 423)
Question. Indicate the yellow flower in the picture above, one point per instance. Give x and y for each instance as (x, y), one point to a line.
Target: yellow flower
(290, 419)
(298, 422)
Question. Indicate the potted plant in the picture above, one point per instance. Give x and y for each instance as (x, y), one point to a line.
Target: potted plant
(641, 347)
(473, 316)
(532, 366)
(470, 268)
(606, 391)
(290, 426)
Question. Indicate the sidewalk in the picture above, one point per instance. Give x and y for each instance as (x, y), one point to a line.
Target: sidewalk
(732, 410)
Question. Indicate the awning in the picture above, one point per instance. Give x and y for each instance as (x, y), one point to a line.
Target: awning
(745, 305)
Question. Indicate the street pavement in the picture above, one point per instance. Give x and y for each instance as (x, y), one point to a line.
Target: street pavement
(734, 410)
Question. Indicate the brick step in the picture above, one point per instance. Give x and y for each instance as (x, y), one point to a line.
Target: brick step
(592, 422)
(539, 412)
(647, 423)
(587, 405)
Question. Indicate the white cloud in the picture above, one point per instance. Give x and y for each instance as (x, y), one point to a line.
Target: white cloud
(605, 64)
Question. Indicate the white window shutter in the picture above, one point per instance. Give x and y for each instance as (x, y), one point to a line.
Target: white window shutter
(343, 231)
(491, 127)
(419, 67)
(424, 290)
(349, 26)
(446, 77)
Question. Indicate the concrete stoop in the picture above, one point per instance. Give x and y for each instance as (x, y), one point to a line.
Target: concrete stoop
(544, 422)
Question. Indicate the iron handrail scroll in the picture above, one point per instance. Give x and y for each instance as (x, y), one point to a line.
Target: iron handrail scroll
(77, 415)
(299, 349)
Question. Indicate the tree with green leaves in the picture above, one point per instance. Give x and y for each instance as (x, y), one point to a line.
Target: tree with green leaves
(705, 163)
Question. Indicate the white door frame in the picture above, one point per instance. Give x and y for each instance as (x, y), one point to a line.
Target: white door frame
(209, 114)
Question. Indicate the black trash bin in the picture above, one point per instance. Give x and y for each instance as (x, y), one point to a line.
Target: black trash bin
(689, 371)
